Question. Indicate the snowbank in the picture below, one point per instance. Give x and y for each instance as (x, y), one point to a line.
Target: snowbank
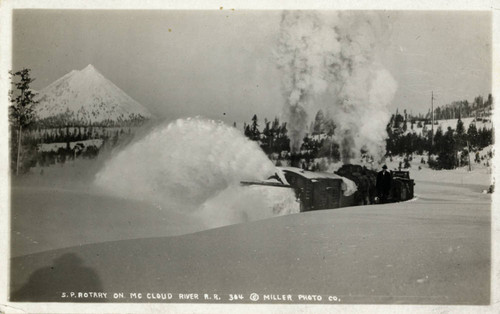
(348, 186)
(238, 204)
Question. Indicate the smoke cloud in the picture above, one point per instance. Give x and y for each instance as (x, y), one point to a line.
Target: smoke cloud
(330, 61)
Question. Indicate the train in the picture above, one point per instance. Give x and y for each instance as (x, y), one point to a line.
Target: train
(350, 185)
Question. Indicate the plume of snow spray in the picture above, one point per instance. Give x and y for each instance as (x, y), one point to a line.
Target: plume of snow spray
(195, 166)
(330, 62)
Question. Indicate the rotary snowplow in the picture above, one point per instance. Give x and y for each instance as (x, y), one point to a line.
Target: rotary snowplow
(351, 185)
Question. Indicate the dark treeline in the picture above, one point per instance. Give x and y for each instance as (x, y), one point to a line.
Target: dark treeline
(447, 149)
(44, 148)
(68, 119)
(73, 142)
(73, 134)
(463, 109)
(479, 108)
(273, 138)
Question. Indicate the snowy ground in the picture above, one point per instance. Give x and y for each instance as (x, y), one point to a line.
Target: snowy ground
(452, 123)
(479, 175)
(434, 249)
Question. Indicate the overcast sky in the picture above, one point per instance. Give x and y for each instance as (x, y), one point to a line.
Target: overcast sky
(221, 64)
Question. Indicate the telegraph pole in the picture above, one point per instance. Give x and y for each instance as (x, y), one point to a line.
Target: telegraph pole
(432, 118)
(468, 150)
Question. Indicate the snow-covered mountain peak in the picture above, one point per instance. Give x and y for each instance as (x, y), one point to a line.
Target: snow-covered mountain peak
(89, 72)
(89, 67)
(87, 96)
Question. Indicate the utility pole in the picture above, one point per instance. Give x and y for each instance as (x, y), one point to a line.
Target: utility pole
(432, 119)
(468, 151)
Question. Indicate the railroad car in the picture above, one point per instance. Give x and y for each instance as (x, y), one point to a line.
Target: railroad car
(351, 185)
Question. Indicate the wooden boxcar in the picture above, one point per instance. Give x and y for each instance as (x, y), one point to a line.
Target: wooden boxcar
(315, 190)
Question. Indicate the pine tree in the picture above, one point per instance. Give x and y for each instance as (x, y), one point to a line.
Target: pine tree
(284, 141)
(255, 128)
(472, 134)
(478, 102)
(398, 120)
(447, 158)
(460, 134)
(247, 131)
(275, 126)
(266, 145)
(437, 140)
(21, 112)
(489, 102)
(273, 134)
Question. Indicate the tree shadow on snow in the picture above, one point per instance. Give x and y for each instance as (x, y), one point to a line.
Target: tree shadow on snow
(56, 283)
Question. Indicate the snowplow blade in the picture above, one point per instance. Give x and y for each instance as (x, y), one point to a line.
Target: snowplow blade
(280, 185)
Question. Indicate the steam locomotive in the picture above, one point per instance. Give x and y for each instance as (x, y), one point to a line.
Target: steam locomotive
(351, 185)
(402, 186)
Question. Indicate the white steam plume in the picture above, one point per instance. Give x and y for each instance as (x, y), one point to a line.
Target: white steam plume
(330, 62)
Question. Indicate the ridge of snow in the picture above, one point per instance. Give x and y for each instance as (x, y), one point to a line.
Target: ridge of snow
(445, 123)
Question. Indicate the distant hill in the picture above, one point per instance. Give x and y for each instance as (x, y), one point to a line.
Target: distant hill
(418, 128)
(479, 108)
(86, 97)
